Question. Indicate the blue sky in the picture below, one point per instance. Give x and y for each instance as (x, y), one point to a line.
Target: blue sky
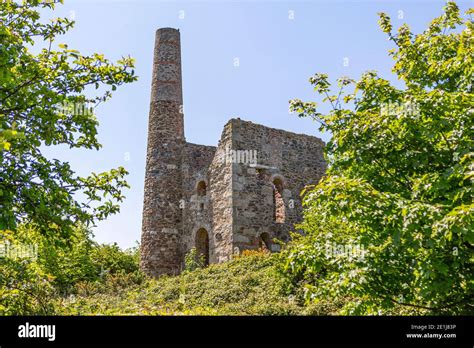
(278, 44)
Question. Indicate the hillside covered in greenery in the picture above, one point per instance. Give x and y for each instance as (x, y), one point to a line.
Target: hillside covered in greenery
(389, 229)
(248, 285)
(91, 279)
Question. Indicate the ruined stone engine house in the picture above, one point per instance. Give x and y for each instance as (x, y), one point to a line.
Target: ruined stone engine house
(242, 194)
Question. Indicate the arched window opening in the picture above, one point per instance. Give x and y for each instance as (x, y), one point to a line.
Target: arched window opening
(278, 203)
(202, 245)
(201, 188)
(264, 242)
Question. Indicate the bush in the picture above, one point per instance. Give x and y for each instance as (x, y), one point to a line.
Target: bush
(246, 285)
(24, 287)
(193, 261)
(61, 268)
(113, 260)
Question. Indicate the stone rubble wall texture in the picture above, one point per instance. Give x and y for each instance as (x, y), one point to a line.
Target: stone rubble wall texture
(220, 182)
(162, 216)
(296, 160)
(239, 201)
(196, 209)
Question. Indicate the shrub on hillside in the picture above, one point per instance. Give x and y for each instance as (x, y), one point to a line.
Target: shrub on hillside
(60, 268)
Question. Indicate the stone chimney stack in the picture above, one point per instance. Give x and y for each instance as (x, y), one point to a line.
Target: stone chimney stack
(162, 215)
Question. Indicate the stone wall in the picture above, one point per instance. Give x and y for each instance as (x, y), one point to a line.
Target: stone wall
(196, 206)
(292, 160)
(220, 185)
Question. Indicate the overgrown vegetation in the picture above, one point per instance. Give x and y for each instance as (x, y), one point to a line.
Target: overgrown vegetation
(91, 279)
(247, 285)
(193, 261)
(400, 180)
(389, 230)
(29, 283)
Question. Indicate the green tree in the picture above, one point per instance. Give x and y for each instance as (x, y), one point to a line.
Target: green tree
(391, 224)
(43, 102)
(34, 268)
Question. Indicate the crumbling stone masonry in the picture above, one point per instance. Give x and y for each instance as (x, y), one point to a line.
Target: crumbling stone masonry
(244, 194)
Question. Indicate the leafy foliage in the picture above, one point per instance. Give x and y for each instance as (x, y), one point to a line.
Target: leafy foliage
(24, 286)
(399, 183)
(43, 102)
(247, 285)
(193, 261)
(28, 284)
(84, 278)
(388, 230)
